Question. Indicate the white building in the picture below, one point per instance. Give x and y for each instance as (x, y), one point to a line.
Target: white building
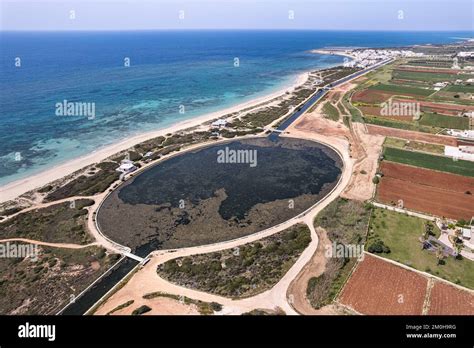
(126, 166)
(461, 152)
(220, 123)
(461, 134)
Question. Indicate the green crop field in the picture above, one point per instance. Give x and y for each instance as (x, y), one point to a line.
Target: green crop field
(443, 121)
(424, 76)
(460, 88)
(411, 126)
(401, 234)
(441, 163)
(402, 89)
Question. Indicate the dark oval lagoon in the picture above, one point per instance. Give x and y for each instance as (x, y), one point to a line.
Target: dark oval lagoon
(218, 193)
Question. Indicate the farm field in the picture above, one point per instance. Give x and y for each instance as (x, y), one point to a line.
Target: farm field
(414, 145)
(443, 121)
(411, 135)
(460, 88)
(449, 300)
(430, 76)
(403, 90)
(401, 234)
(380, 288)
(440, 163)
(428, 191)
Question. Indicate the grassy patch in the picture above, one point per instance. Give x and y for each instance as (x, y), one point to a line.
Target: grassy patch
(250, 269)
(401, 234)
(330, 111)
(429, 161)
(443, 121)
(402, 90)
(414, 145)
(460, 88)
(411, 126)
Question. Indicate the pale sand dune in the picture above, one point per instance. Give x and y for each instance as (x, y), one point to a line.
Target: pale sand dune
(17, 188)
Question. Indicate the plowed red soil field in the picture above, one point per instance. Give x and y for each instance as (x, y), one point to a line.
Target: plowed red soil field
(411, 135)
(449, 300)
(370, 96)
(380, 287)
(428, 191)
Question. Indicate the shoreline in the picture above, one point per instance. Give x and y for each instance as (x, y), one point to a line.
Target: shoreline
(16, 188)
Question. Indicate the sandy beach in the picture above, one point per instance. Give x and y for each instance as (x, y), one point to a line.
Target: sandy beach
(16, 188)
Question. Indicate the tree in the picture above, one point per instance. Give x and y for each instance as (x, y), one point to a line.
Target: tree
(376, 180)
(439, 254)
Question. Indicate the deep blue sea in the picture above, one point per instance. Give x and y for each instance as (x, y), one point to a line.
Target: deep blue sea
(167, 69)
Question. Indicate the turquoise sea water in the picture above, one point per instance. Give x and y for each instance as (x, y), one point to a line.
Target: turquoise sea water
(167, 69)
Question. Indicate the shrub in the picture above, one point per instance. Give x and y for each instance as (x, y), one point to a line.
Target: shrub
(140, 310)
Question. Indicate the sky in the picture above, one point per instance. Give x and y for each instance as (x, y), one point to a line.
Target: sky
(440, 15)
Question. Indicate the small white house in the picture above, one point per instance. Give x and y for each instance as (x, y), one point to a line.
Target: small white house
(126, 167)
(220, 123)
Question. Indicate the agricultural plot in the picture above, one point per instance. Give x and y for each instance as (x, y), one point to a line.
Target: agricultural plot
(402, 90)
(430, 77)
(400, 124)
(378, 287)
(449, 300)
(412, 136)
(414, 145)
(460, 88)
(440, 163)
(401, 234)
(442, 121)
(428, 191)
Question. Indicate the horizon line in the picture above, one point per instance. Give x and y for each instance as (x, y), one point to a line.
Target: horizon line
(238, 29)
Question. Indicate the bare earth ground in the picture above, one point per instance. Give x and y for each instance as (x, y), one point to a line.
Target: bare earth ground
(160, 306)
(412, 135)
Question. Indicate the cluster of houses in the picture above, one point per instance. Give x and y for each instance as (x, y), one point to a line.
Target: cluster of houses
(366, 58)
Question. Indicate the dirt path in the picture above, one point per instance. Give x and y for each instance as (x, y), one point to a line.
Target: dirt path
(314, 268)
